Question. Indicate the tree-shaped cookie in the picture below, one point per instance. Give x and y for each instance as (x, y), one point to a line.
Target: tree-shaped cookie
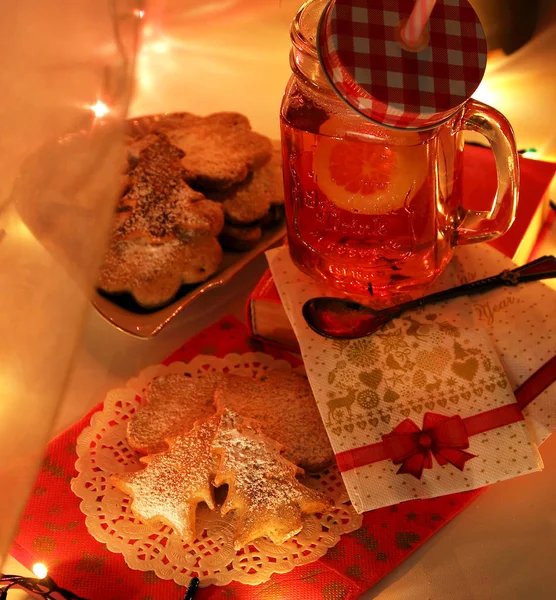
(158, 205)
(165, 233)
(172, 405)
(263, 490)
(173, 483)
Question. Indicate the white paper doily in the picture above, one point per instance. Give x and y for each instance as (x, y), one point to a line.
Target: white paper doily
(102, 450)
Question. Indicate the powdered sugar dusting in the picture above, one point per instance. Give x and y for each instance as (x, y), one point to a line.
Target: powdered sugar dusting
(263, 489)
(155, 272)
(174, 482)
(159, 204)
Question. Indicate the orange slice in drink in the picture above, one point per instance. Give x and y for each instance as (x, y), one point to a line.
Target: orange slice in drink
(367, 176)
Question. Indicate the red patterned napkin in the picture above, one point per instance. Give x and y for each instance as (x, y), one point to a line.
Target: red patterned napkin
(52, 529)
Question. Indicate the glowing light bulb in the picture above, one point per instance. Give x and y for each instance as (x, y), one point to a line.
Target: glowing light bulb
(99, 108)
(139, 13)
(531, 153)
(40, 570)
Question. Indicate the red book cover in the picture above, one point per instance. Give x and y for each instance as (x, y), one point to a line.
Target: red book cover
(266, 318)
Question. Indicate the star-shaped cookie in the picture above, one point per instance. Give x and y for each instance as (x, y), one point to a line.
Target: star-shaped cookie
(174, 482)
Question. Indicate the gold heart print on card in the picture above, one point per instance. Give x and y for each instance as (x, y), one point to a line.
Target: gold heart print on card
(466, 370)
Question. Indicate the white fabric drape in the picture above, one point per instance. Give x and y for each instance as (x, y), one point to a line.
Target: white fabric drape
(59, 169)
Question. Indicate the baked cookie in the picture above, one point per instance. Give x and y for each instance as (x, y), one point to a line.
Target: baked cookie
(154, 272)
(249, 202)
(219, 150)
(240, 239)
(158, 204)
(164, 233)
(154, 247)
(173, 483)
(172, 405)
(263, 491)
(283, 405)
(135, 145)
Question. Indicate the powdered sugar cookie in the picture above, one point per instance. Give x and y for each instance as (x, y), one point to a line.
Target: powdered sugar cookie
(263, 489)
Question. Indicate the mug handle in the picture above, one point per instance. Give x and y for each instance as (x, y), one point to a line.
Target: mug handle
(481, 226)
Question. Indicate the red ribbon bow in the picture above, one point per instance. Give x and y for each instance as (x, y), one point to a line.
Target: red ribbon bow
(413, 448)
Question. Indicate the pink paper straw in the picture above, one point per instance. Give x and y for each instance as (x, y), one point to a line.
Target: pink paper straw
(417, 21)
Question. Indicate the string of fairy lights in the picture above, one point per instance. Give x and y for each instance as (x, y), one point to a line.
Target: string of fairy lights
(43, 586)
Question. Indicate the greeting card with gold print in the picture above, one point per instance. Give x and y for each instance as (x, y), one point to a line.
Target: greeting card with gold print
(420, 409)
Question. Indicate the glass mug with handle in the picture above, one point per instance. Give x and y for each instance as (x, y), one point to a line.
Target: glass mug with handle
(373, 208)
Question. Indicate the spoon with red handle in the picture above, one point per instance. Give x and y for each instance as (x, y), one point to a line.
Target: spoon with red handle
(339, 318)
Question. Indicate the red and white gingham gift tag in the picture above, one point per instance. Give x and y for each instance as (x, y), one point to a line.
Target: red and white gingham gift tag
(366, 65)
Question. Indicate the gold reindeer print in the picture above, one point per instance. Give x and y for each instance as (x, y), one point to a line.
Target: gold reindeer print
(339, 407)
(416, 329)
